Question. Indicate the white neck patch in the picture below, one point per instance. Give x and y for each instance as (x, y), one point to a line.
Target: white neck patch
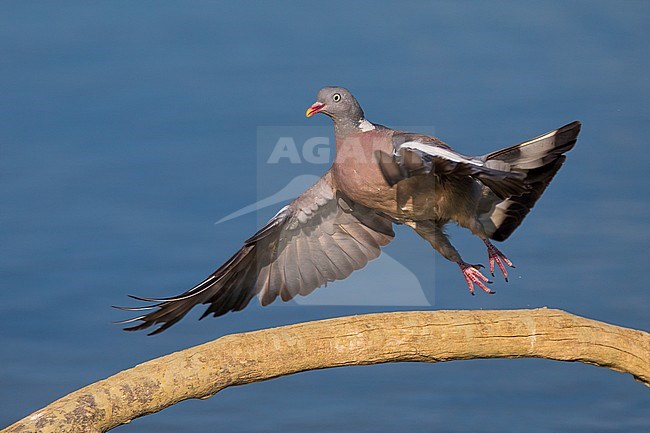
(365, 126)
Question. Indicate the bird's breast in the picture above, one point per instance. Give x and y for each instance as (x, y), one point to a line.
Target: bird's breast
(357, 174)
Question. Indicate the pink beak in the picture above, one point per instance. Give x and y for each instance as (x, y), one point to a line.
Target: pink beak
(315, 108)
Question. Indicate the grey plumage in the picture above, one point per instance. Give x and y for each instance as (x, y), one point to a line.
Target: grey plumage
(380, 176)
(319, 238)
(539, 159)
(513, 178)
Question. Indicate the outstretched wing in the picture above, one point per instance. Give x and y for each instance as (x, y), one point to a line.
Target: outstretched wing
(320, 237)
(539, 159)
(416, 154)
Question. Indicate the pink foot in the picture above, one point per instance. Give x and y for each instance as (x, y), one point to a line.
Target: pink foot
(499, 258)
(474, 276)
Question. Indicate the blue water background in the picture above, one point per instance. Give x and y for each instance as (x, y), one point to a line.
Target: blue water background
(128, 128)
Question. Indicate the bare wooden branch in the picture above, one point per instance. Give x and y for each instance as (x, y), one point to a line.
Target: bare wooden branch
(434, 336)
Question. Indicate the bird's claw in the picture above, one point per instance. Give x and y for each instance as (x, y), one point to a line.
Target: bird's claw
(474, 276)
(496, 256)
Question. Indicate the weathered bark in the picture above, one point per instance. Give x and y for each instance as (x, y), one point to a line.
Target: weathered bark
(436, 336)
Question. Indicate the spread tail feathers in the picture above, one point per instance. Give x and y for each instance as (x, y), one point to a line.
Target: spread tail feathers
(539, 160)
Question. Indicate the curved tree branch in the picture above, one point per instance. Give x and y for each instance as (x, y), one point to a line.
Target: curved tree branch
(437, 336)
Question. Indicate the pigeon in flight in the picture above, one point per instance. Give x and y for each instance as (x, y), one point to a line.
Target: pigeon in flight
(380, 177)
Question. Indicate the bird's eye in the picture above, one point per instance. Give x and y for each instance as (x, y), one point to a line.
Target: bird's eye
(336, 97)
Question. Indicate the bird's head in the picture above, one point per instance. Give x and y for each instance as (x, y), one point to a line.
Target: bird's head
(337, 103)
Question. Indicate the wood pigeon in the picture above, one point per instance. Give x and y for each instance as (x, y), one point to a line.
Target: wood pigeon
(380, 177)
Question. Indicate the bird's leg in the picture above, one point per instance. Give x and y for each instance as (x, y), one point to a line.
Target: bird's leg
(434, 234)
(473, 276)
(496, 256)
